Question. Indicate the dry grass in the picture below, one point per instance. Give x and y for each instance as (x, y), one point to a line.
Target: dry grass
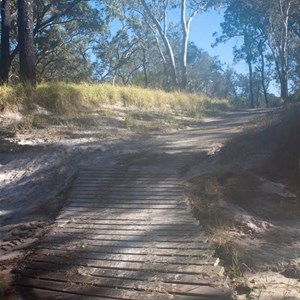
(207, 200)
(64, 98)
(93, 106)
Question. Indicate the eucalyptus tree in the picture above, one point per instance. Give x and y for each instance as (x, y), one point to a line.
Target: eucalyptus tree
(119, 53)
(188, 11)
(25, 42)
(9, 34)
(294, 19)
(36, 18)
(5, 44)
(241, 19)
(279, 36)
(282, 32)
(204, 71)
(64, 43)
(132, 52)
(274, 25)
(158, 12)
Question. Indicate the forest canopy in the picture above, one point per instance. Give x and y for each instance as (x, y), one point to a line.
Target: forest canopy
(138, 42)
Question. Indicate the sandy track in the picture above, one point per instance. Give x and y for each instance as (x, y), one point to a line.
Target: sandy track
(35, 177)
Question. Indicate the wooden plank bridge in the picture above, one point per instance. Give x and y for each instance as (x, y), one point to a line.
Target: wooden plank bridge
(124, 235)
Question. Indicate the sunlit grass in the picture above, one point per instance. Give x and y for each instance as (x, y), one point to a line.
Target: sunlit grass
(65, 98)
(9, 98)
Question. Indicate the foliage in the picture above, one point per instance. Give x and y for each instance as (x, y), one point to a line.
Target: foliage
(269, 32)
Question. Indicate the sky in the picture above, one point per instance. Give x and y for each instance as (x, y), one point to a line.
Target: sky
(202, 29)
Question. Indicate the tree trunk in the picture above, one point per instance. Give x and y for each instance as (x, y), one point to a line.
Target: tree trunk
(184, 49)
(282, 75)
(166, 42)
(145, 68)
(25, 39)
(284, 53)
(252, 105)
(263, 80)
(5, 30)
(172, 61)
(184, 80)
(284, 90)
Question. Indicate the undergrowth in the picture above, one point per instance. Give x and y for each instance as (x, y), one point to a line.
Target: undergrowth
(206, 197)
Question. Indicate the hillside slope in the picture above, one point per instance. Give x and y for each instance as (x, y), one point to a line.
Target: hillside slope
(248, 196)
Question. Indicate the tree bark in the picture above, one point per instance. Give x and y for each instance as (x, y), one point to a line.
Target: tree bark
(185, 38)
(284, 90)
(252, 105)
(279, 46)
(145, 68)
(263, 79)
(186, 27)
(166, 42)
(5, 46)
(284, 53)
(26, 44)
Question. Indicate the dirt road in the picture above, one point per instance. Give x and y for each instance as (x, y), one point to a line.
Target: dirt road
(35, 177)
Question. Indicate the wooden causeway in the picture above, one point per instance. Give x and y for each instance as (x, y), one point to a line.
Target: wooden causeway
(124, 235)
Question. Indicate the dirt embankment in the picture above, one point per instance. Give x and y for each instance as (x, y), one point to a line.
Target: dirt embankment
(248, 196)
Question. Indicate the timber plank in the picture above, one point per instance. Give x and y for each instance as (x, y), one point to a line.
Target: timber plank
(130, 202)
(127, 205)
(131, 241)
(135, 227)
(84, 291)
(125, 231)
(136, 188)
(205, 259)
(124, 235)
(138, 285)
(123, 265)
(154, 214)
(126, 244)
(127, 221)
(152, 276)
(121, 192)
(127, 199)
(131, 251)
(85, 207)
(34, 293)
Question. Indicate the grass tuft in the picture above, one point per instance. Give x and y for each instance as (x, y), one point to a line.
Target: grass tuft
(9, 98)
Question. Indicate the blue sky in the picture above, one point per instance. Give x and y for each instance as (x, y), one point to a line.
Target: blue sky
(202, 29)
